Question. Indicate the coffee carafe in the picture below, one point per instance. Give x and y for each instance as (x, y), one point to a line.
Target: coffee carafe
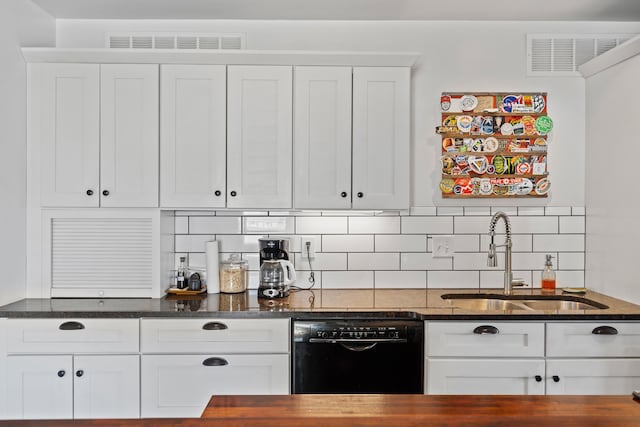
(273, 249)
(276, 277)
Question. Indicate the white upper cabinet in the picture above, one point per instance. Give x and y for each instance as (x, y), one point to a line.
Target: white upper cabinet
(97, 129)
(322, 138)
(129, 135)
(65, 126)
(259, 140)
(193, 136)
(381, 117)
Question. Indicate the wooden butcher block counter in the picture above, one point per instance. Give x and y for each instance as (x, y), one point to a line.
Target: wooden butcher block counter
(392, 410)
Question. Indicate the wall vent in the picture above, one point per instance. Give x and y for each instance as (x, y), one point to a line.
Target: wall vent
(562, 54)
(175, 41)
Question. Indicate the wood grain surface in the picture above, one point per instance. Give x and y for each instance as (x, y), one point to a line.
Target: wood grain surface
(393, 410)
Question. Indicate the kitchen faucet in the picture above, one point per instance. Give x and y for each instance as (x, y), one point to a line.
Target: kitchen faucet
(492, 260)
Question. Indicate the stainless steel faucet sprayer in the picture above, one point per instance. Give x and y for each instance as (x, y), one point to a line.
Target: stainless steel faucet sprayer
(492, 260)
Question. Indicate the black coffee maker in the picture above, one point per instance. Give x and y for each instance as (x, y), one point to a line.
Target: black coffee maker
(273, 249)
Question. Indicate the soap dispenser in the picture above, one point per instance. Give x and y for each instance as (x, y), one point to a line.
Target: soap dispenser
(548, 276)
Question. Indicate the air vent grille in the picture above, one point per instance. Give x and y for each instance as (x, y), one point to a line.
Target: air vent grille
(562, 54)
(175, 41)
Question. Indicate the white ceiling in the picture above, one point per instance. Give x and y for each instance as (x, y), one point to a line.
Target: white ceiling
(512, 10)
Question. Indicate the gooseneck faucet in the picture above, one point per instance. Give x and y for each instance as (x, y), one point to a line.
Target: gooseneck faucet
(492, 260)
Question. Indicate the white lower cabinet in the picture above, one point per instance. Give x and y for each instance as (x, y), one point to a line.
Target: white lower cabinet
(186, 361)
(485, 376)
(181, 385)
(593, 376)
(65, 386)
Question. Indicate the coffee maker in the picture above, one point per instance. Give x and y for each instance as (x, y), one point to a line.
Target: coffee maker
(276, 271)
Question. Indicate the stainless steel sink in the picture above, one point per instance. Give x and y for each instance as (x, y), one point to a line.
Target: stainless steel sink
(499, 302)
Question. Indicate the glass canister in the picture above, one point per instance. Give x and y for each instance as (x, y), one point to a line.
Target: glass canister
(234, 275)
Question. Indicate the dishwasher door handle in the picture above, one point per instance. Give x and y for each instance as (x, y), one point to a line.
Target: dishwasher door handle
(357, 341)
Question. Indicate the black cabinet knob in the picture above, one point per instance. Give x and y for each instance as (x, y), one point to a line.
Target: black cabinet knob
(343, 194)
(217, 193)
(538, 378)
(79, 373)
(360, 194)
(233, 194)
(105, 193)
(61, 373)
(556, 379)
(89, 192)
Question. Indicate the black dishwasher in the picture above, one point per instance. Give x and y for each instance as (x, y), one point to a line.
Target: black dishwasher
(358, 356)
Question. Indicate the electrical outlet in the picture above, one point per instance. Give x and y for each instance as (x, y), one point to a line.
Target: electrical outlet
(310, 252)
(442, 247)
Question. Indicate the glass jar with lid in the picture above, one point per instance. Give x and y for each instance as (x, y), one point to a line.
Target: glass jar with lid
(234, 275)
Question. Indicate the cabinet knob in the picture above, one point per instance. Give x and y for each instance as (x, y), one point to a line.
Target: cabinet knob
(605, 330)
(556, 379)
(71, 326)
(79, 373)
(215, 361)
(233, 194)
(105, 192)
(89, 192)
(61, 373)
(217, 193)
(360, 194)
(486, 329)
(343, 194)
(538, 378)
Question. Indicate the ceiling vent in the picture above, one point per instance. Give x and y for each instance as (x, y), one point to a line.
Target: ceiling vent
(175, 41)
(562, 54)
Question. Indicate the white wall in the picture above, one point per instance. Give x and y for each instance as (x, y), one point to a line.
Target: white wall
(21, 24)
(613, 205)
(456, 56)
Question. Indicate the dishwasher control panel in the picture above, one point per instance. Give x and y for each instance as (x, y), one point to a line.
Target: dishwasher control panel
(359, 332)
(370, 331)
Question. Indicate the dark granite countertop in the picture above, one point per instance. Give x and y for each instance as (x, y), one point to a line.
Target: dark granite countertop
(369, 303)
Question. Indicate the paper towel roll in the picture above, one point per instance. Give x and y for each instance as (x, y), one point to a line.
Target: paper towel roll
(213, 273)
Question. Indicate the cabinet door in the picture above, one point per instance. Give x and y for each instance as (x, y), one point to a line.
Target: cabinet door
(322, 138)
(129, 135)
(39, 387)
(485, 376)
(259, 142)
(66, 122)
(593, 376)
(181, 385)
(381, 117)
(106, 386)
(193, 136)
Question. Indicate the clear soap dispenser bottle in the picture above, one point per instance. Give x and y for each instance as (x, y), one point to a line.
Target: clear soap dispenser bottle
(181, 278)
(548, 276)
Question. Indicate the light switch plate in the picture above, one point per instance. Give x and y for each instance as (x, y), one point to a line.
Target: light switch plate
(443, 247)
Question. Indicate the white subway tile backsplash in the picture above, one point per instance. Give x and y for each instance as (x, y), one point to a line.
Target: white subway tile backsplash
(322, 261)
(557, 210)
(427, 225)
(477, 210)
(347, 279)
(424, 261)
(400, 279)
(181, 225)
(449, 211)
(347, 243)
(401, 243)
(374, 261)
(572, 224)
(363, 249)
(558, 243)
(321, 225)
(530, 210)
(374, 225)
(570, 261)
(534, 225)
(238, 243)
(215, 225)
(453, 279)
